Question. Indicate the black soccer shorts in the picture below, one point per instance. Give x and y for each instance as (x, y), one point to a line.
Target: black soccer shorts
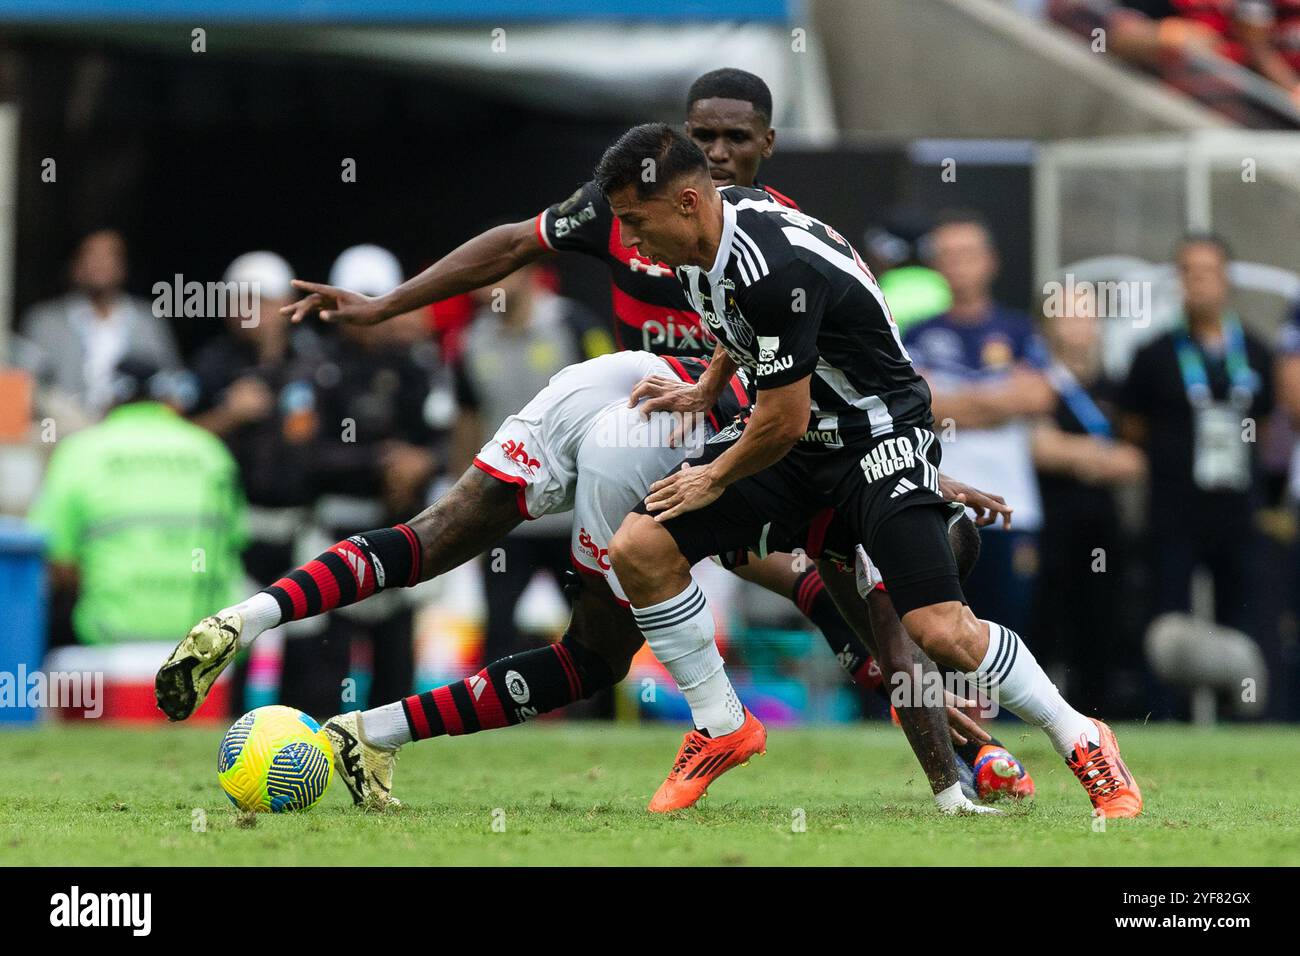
(868, 487)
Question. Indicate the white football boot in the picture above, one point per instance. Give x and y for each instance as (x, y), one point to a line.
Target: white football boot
(365, 767)
(184, 680)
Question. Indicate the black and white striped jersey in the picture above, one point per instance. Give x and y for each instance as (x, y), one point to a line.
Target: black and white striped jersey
(788, 297)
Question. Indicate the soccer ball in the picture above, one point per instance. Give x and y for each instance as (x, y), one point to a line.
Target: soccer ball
(275, 759)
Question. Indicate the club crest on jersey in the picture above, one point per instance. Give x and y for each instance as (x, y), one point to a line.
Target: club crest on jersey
(515, 452)
(891, 455)
(736, 328)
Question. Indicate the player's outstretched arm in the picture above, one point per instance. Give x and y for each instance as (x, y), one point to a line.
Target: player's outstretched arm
(487, 257)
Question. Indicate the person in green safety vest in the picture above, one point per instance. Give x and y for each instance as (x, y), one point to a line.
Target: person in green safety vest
(144, 513)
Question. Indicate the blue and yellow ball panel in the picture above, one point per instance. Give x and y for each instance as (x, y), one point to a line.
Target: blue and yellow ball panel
(275, 759)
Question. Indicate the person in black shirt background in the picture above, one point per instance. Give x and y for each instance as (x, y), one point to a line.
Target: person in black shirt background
(1080, 462)
(255, 394)
(376, 448)
(1194, 400)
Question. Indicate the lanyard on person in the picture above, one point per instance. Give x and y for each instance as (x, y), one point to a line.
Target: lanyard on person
(1079, 402)
(1242, 379)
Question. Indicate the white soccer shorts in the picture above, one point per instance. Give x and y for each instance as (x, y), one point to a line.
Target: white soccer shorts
(577, 446)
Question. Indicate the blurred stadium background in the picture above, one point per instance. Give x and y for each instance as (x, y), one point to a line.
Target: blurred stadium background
(169, 139)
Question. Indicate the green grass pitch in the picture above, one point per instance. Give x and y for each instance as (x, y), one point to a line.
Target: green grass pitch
(557, 793)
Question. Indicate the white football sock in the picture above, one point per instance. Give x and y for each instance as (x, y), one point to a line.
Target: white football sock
(952, 802)
(1014, 679)
(386, 726)
(260, 613)
(680, 633)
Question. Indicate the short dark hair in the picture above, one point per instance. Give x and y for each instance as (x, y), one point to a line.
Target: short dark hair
(732, 84)
(671, 154)
(1204, 239)
(965, 540)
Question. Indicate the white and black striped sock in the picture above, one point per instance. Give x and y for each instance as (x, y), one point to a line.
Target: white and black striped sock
(680, 633)
(1012, 677)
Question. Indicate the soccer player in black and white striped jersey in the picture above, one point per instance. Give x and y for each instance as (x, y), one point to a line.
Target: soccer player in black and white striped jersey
(842, 420)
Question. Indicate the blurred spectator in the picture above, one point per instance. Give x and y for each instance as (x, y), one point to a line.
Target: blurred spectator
(371, 461)
(1151, 31)
(1270, 33)
(75, 342)
(144, 513)
(1288, 388)
(984, 363)
(255, 394)
(1193, 400)
(1080, 461)
(523, 334)
(895, 253)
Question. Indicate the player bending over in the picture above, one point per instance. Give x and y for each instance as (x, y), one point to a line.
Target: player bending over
(577, 445)
(792, 303)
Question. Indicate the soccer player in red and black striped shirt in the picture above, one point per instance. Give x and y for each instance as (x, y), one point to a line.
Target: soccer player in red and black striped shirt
(728, 116)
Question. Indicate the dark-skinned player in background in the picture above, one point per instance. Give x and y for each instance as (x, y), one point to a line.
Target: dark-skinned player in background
(729, 116)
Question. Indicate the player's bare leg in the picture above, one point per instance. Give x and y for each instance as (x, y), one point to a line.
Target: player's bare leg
(477, 510)
(930, 730)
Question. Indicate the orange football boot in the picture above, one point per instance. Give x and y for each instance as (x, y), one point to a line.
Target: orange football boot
(704, 759)
(1101, 770)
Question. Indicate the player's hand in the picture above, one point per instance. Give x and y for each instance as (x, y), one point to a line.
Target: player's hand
(961, 726)
(987, 507)
(662, 394)
(686, 490)
(334, 305)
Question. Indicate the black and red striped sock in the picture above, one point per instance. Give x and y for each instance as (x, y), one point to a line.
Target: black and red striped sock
(349, 572)
(816, 604)
(509, 691)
